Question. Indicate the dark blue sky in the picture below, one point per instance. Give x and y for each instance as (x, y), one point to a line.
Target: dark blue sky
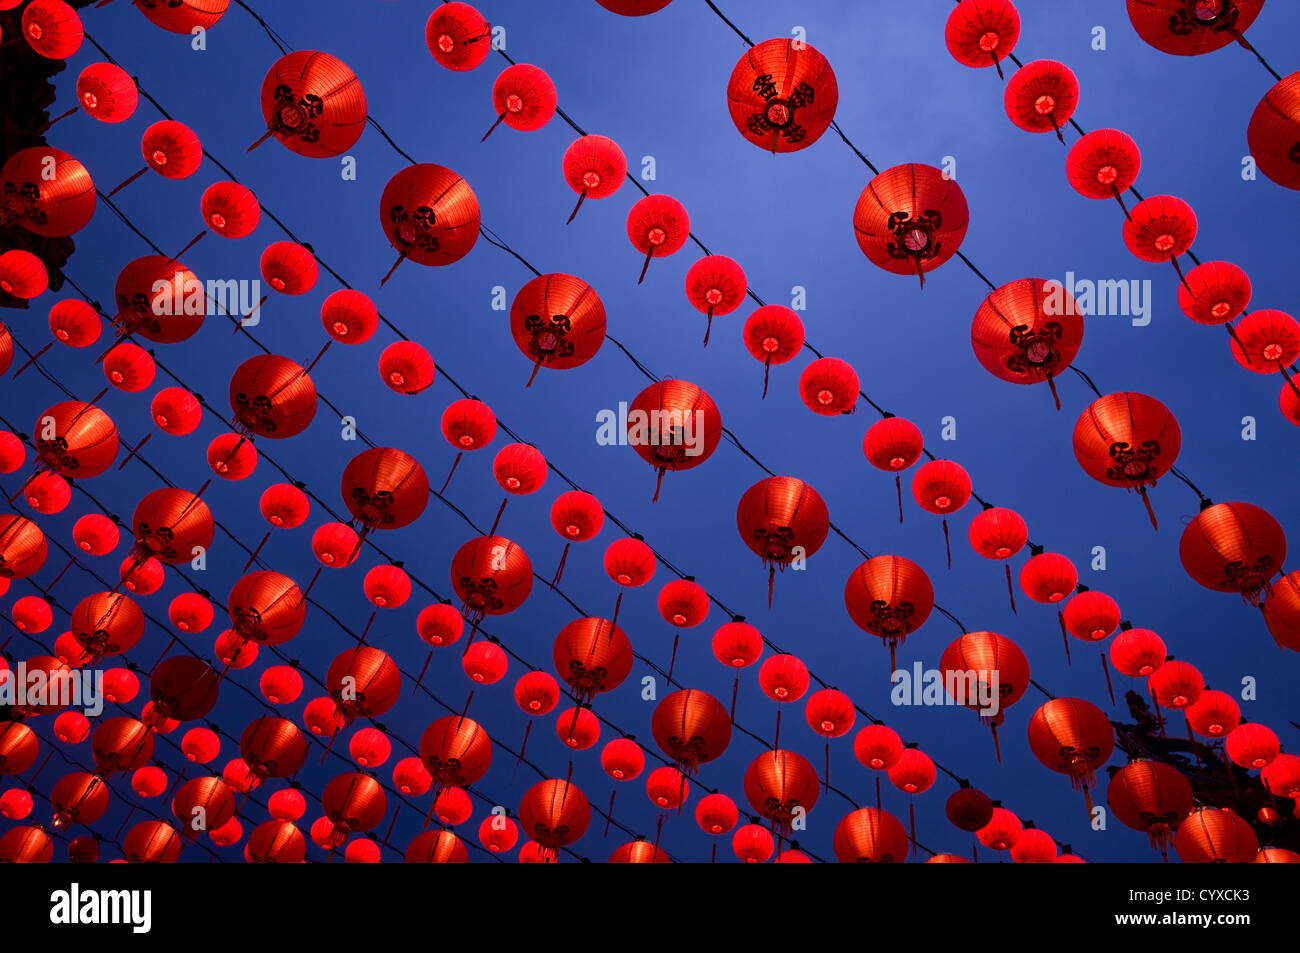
(657, 85)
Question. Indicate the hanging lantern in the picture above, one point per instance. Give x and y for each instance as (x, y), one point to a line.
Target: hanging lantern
(349, 317)
(1234, 547)
(558, 321)
(554, 814)
(1042, 95)
(430, 215)
(1214, 714)
(1212, 835)
(998, 533)
(829, 386)
(592, 656)
(783, 678)
(594, 167)
(1103, 164)
(492, 576)
(1214, 292)
(458, 36)
(692, 728)
(987, 673)
(737, 644)
(1137, 652)
(1160, 228)
(52, 29)
(1090, 616)
(870, 836)
(1191, 29)
(1266, 341)
(1027, 332)
(774, 335)
(782, 95)
(1150, 797)
(385, 488)
(658, 226)
(523, 97)
(1274, 130)
(1252, 746)
(889, 597)
(982, 32)
(75, 323)
(715, 285)
(910, 219)
(1073, 737)
(782, 519)
(230, 209)
(46, 191)
(1127, 440)
(673, 425)
(272, 397)
(781, 786)
(313, 104)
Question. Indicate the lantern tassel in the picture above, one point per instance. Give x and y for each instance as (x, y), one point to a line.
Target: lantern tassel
(644, 267)
(898, 488)
(826, 780)
(767, 368)
(771, 581)
(1120, 199)
(266, 135)
(128, 182)
(878, 807)
(893, 662)
(522, 746)
(454, 464)
(253, 558)
(1051, 383)
(708, 328)
(560, 569)
(1151, 514)
(32, 360)
(1065, 636)
(1056, 128)
(537, 366)
(400, 258)
(427, 659)
(911, 817)
(673, 661)
(997, 745)
(500, 119)
(997, 63)
(617, 602)
(735, 690)
(134, 450)
(193, 241)
(609, 815)
(66, 567)
(1105, 667)
(946, 544)
(1010, 589)
(776, 738)
(582, 197)
(659, 482)
(63, 116)
(920, 270)
(497, 521)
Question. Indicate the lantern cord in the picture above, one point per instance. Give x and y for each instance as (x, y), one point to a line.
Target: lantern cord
(454, 464)
(582, 196)
(1178, 474)
(559, 571)
(947, 547)
(1065, 638)
(1051, 383)
(1087, 380)
(856, 151)
(1146, 501)
(734, 29)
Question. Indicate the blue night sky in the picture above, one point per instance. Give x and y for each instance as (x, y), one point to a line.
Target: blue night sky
(656, 85)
